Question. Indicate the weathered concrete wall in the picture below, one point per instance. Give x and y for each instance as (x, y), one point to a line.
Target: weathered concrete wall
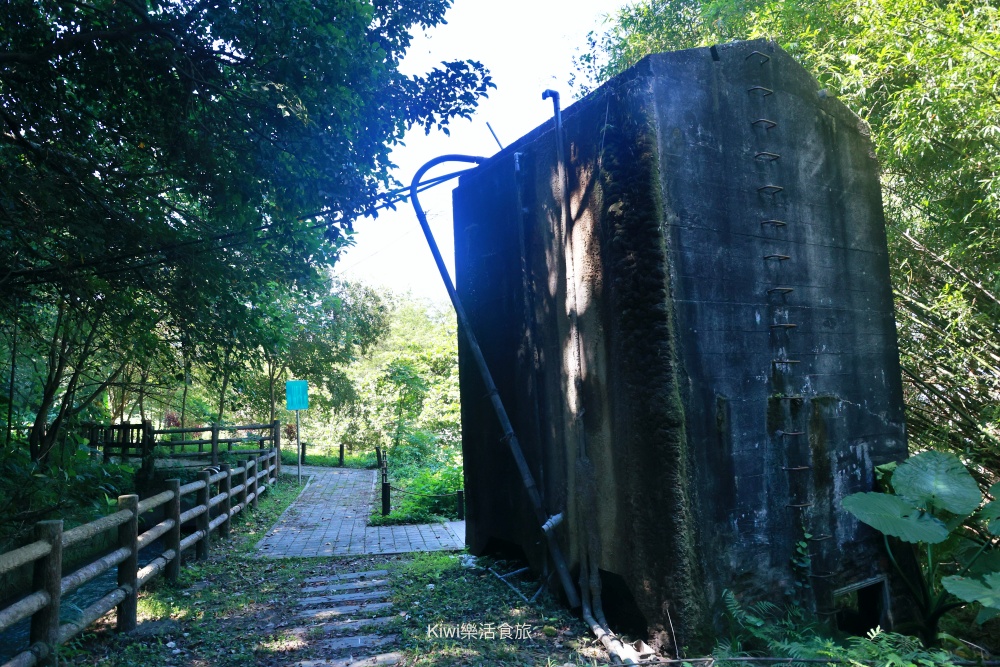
(740, 372)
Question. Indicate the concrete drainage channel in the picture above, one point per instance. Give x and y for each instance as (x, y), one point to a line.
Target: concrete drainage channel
(340, 617)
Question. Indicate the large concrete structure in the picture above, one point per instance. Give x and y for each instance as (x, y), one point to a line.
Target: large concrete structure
(724, 278)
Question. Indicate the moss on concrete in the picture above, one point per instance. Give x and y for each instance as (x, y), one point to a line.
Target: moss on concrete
(659, 498)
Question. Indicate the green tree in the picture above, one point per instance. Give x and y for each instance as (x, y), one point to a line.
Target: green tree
(312, 335)
(925, 77)
(170, 165)
(407, 385)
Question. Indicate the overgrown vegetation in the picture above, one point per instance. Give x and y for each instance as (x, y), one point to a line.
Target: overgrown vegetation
(78, 489)
(176, 193)
(944, 536)
(764, 629)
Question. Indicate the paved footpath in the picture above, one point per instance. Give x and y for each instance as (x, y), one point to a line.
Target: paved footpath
(329, 519)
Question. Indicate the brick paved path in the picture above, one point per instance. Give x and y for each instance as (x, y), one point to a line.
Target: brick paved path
(329, 517)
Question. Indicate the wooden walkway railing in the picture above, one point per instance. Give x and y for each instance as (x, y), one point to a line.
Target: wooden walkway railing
(139, 440)
(244, 484)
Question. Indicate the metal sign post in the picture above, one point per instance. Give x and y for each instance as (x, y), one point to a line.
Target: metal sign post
(297, 398)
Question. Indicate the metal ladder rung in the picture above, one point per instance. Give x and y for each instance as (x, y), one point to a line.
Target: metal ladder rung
(764, 57)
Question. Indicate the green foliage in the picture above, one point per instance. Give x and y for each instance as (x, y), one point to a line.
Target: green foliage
(937, 510)
(78, 490)
(362, 461)
(764, 629)
(178, 179)
(407, 386)
(429, 472)
(924, 77)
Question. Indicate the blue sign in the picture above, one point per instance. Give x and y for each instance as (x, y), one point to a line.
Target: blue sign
(297, 395)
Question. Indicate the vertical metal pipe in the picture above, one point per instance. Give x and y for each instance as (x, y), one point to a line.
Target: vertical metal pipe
(298, 448)
(508, 430)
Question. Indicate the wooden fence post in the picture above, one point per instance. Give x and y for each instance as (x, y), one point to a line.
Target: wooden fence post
(276, 441)
(128, 538)
(225, 486)
(242, 495)
(203, 519)
(252, 481)
(273, 476)
(48, 578)
(460, 496)
(172, 540)
(215, 443)
(341, 454)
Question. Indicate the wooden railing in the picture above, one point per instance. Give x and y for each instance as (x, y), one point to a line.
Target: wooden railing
(139, 440)
(244, 484)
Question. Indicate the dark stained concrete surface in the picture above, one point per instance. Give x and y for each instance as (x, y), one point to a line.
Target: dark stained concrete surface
(740, 371)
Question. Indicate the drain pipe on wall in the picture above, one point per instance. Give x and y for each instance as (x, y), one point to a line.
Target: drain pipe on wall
(586, 483)
(508, 431)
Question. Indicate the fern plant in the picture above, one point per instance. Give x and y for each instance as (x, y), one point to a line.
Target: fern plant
(766, 630)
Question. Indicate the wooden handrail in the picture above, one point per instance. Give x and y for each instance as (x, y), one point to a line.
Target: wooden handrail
(42, 603)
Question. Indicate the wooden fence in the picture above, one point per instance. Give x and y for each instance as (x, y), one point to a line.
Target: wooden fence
(141, 440)
(243, 483)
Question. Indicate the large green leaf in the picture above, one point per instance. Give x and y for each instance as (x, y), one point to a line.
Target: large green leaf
(991, 514)
(937, 481)
(894, 516)
(985, 591)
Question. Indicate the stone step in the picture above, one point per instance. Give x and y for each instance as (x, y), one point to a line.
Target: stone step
(333, 612)
(356, 642)
(393, 658)
(360, 596)
(350, 586)
(347, 576)
(335, 627)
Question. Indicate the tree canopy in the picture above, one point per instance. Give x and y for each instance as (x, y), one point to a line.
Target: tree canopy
(172, 168)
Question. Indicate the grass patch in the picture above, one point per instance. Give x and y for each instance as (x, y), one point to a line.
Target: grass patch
(436, 594)
(361, 461)
(425, 481)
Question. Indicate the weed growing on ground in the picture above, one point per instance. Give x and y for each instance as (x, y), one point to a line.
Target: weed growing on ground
(438, 594)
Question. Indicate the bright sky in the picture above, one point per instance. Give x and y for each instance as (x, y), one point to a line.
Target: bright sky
(528, 46)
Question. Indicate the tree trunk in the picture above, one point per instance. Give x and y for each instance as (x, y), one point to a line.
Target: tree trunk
(13, 369)
(184, 394)
(225, 385)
